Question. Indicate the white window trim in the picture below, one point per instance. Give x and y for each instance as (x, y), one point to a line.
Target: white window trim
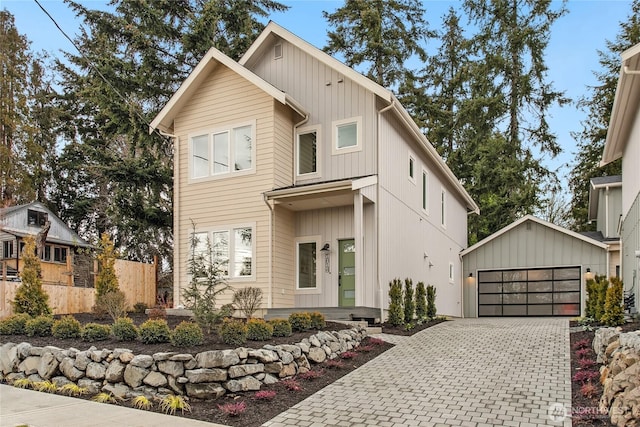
(424, 202)
(303, 130)
(221, 129)
(452, 271)
(334, 135)
(412, 160)
(319, 264)
(443, 207)
(231, 246)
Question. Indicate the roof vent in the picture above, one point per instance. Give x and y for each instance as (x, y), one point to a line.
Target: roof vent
(277, 51)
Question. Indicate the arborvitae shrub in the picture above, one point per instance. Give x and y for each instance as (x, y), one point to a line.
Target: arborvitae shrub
(317, 320)
(596, 297)
(14, 324)
(233, 332)
(300, 322)
(106, 279)
(123, 329)
(95, 332)
(39, 326)
(30, 297)
(187, 334)
(66, 327)
(613, 308)
(409, 303)
(396, 314)
(431, 302)
(281, 327)
(155, 331)
(259, 330)
(421, 301)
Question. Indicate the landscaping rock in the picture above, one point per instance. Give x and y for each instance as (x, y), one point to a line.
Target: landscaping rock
(181, 358)
(115, 371)
(302, 362)
(82, 360)
(317, 355)
(48, 365)
(243, 384)
(126, 356)
(142, 361)
(155, 379)
(163, 356)
(93, 387)
(8, 358)
(244, 370)
(133, 375)
(118, 390)
(602, 338)
(60, 380)
(174, 385)
(264, 356)
(24, 350)
(288, 370)
(304, 347)
(95, 371)
(69, 370)
(205, 375)
(204, 391)
(29, 365)
(269, 379)
(217, 359)
(171, 367)
(273, 368)
(314, 341)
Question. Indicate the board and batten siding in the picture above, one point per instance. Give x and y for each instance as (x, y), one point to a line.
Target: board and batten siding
(283, 286)
(407, 232)
(531, 245)
(607, 222)
(225, 100)
(630, 237)
(306, 80)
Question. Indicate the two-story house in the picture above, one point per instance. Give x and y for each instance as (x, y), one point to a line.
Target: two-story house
(310, 181)
(623, 141)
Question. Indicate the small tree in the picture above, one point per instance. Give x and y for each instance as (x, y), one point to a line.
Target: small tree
(396, 314)
(247, 300)
(421, 301)
(431, 302)
(206, 283)
(409, 303)
(596, 297)
(613, 308)
(106, 279)
(30, 297)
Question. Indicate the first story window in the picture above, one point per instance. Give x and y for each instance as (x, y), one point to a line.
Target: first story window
(8, 249)
(306, 264)
(59, 254)
(231, 250)
(222, 152)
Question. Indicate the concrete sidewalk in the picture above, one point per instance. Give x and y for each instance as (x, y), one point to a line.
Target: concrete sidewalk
(27, 407)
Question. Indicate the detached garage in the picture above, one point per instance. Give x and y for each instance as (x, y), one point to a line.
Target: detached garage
(530, 268)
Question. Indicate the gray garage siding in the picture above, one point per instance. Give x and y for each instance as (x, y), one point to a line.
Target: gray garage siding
(530, 244)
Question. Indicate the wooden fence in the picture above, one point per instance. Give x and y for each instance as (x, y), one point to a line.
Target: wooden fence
(137, 281)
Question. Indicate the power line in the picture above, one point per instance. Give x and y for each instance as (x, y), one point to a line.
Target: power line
(95, 68)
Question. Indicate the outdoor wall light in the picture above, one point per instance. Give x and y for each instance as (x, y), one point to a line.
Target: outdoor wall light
(588, 275)
(471, 280)
(326, 250)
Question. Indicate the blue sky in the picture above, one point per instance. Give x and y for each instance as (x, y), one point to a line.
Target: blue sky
(571, 56)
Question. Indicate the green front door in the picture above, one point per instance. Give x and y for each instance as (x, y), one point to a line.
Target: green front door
(347, 273)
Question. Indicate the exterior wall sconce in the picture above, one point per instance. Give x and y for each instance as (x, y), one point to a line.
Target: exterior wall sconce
(326, 250)
(588, 275)
(471, 281)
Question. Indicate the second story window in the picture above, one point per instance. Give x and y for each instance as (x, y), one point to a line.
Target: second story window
(36, 218)
(307, 151)
(222, 152)
(347, 135)
(412, 168)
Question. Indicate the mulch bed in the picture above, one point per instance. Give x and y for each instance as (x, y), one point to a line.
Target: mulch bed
(585, 407)
(388, 328)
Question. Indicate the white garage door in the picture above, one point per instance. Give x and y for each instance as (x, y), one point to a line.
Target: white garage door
(529, 292)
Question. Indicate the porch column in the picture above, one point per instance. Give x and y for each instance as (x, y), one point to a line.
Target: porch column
(358, 225)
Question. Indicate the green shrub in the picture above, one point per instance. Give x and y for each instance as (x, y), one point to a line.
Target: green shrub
(613, 308)
(431, 302)
(30, 297)
(124, 329)
(14, 324)
(281, 327)
(155, 331)
(596, 297)
(259, 330)
(95, 332)
(66, 327)
(396, 314)
(233, 332)
(187, 334)
(300, 322)
(140, 307)
(39, 326)
(106, 279)
(421, 301)
(317, 320)
(409, 303)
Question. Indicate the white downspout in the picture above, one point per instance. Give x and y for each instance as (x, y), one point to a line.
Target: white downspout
(606, 214)
(377, 209)
(270, 296)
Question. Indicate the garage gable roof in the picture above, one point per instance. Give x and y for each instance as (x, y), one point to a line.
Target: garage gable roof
(538, 221)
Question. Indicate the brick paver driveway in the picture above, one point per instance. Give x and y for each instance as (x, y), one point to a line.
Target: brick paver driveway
(467, 372)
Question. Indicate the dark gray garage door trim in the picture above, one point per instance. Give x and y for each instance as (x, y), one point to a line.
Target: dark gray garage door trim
(551, 291)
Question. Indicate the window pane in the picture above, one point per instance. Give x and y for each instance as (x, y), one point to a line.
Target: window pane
(242, 252)
(411, 166)
(200, 152)
(307, 153)
(424, 191)
(242, 148)
(307, 265)
(199, 244)
(220, 248)
(348, 135)
(221, 152)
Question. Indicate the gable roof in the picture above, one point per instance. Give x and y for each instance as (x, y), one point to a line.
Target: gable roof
(274, 31)
(594, 194)
(625, 106)
(59, 233)
(213, 58)
(538, 221)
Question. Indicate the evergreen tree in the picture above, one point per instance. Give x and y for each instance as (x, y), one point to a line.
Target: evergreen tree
(379, 35)
(421, 301)
(409, 303)
(396, 312)
(106, 279)
(30, 297)
(613, 306)
(598, 104)
(431, 302)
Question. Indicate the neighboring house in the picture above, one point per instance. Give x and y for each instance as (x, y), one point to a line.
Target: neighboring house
(59, 263)
(310, 181)
(623, 141)
(605, 207)
(531, 268)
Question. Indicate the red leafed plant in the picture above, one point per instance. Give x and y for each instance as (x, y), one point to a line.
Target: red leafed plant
(579, 345)
(334, 364)
(583, 352)
(265, 395)
(348, 355)
(589, 390)
(585, 376)
(375, 341)
(233, 409)
(365, 348)
(291, 384)
(586, 363)
(312, 375)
